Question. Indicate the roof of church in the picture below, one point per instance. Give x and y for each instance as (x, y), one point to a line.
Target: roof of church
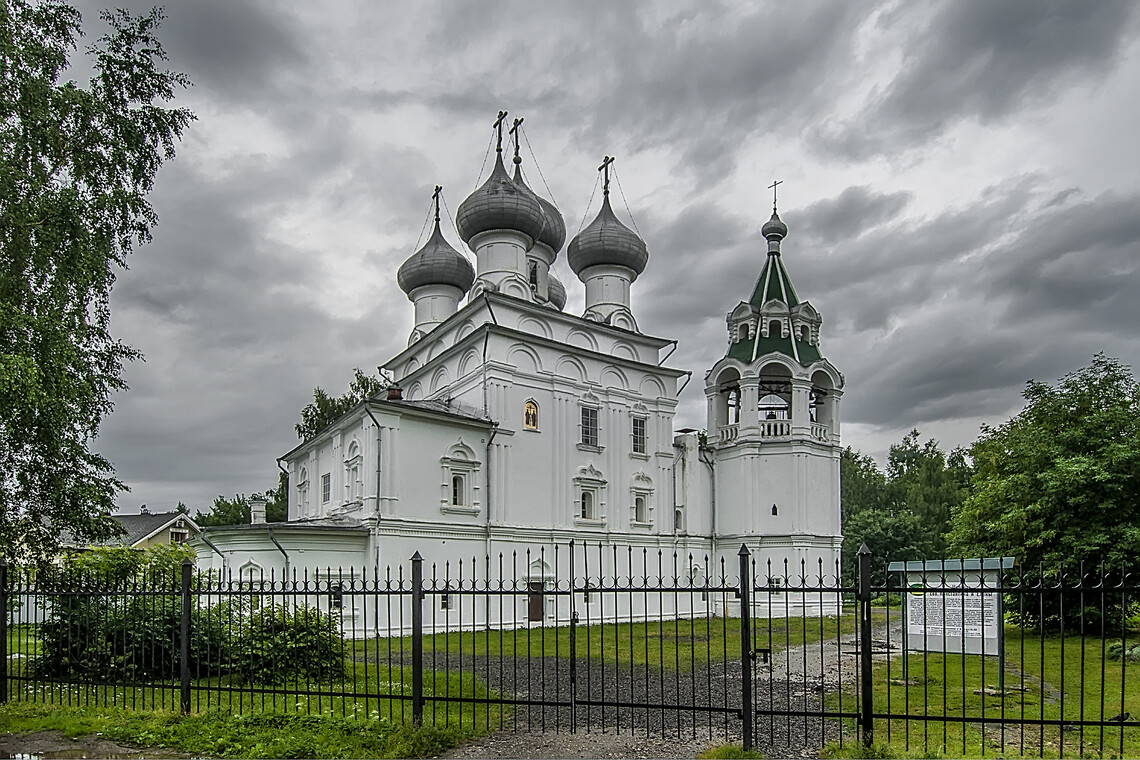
(320, 523)
(436, 263)
(607, 241)
(750, 350)
(774, 284)
(500, 204)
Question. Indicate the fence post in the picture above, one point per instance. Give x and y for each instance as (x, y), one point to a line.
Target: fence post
(866, 722)
(574, 648)
(184, 653)
(745, 646)
(417, 639)
(4, 631)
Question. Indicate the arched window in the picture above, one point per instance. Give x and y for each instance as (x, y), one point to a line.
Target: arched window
(586, 505)
(353, 484)
(804, 333)
(458, 490)
(678, 520)
(530, 415)
(742, 333)
(640, 512)
(303, 491)
(532, 274)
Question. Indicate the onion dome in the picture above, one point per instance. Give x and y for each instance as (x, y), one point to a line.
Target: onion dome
(774, 228)
(500, 204)
(554, 231)
(437, 263)
(607, 241)
(556, 292)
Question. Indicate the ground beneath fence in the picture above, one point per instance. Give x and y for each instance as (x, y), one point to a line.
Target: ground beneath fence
(55, 745)
(583, 743)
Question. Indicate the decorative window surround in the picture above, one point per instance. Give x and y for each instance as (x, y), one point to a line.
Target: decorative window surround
(589, 497)
(641, 501)
(459, 474)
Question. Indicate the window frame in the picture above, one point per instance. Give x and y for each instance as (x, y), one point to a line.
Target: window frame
(326, 488)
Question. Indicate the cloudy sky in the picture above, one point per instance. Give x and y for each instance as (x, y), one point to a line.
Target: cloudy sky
(961, 182)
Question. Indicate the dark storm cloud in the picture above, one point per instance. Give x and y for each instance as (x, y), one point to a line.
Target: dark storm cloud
(984, 61)
(1040, 301)
(239, 51)
(852, 213)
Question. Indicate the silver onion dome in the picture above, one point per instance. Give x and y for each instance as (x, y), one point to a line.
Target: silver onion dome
(607, 241)
(500, 204)
(774, 228)
(437, 263)
(554, 229)
(556, 292)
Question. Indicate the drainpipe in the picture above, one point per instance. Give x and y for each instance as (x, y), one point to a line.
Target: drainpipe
(376, 530)
(711, 463)
(486, 338)
(487, 529)
(671, 350)
(217, 551)
(281, 549)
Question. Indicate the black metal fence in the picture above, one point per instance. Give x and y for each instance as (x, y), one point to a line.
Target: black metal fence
(947, 657)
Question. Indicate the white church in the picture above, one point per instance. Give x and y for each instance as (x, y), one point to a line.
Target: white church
(517, 425)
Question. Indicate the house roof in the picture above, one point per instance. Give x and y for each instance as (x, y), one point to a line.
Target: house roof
(136, 527)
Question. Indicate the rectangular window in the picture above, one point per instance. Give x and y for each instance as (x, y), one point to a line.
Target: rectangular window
(589, 426)
(336, 596)
(179, 536)
(326, 487)
(639, 437)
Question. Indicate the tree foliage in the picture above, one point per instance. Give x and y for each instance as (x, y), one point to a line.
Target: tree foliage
(903, 513)
(236, 511)
(325, 409)
(1059, 483)
(76, 166)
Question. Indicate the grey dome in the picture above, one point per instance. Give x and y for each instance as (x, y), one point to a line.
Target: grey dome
(554, 229)
(437, 263)
(500, 204)
(607, 241)
(556, 292)
(774, 229)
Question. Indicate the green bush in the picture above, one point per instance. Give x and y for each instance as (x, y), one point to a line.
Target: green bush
(102, 630)
(279, 644)
(1118, 650)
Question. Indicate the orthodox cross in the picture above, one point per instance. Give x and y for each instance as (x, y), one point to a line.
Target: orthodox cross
(772, 187)
(605, 169)
(435, 198)
(515, 133)
(498, 125)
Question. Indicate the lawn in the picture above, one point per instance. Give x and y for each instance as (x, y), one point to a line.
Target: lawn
(257, 735)
(673, 645)
(1047, 678)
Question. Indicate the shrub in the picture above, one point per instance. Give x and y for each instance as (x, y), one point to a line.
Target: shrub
(1119, 650)
(279, 644)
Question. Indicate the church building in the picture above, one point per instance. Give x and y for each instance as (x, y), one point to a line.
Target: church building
(518, 423)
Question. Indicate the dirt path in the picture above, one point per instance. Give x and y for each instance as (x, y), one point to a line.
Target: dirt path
(55, 745)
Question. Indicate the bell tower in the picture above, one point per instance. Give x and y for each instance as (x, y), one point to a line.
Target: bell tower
(773, 425)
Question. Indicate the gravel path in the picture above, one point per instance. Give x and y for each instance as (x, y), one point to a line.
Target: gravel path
(793, 682)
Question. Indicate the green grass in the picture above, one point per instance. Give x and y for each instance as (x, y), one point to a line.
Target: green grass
(21, 640)
(940, 684)
(259, 735)
(729, 752)
(674, 645)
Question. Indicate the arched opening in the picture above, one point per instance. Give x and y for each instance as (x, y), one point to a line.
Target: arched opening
(822, 404)
(775, 329)
(640, 513)
(458, 490)
(728, 398)
(742, 332)
(805, 333)
(775, 400)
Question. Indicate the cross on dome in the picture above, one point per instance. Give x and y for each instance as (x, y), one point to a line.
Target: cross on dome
(605, 169)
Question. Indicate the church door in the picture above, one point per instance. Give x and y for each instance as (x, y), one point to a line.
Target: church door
(535, 602)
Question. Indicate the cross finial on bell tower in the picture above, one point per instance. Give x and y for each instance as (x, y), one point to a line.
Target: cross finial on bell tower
(498, 125)
(514, 132)
(605, 169)
(435, 199)
(772, 187)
